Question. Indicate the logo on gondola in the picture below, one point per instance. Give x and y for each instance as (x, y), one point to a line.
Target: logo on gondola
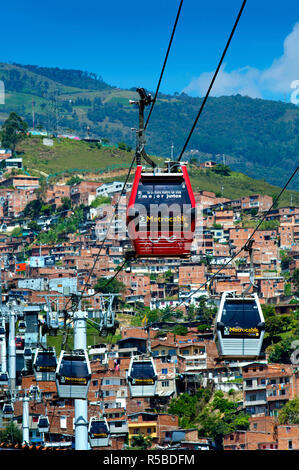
(143, 381)
(242, 331)
(73, 380)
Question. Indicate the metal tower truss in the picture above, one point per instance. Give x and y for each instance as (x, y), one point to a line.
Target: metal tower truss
(106, 315)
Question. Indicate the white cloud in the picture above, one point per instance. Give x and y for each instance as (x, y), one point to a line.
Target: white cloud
(275, 80)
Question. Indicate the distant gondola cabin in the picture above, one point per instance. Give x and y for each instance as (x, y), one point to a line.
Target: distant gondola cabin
(240, 326)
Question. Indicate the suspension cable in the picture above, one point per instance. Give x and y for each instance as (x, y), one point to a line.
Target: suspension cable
(130, 169)
(104, 239)
(164, 65)
(245, 244)
(213, 80)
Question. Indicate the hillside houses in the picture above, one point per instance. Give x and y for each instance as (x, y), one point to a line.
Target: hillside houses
(181, 345)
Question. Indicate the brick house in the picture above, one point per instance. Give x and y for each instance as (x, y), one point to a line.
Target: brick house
(151, 425)
(267, 387)
(258, 201)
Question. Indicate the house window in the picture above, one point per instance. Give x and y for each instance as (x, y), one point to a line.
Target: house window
(164, 371)
(149, 430)
(94, 383)
(165, 383)
(63, 422)
(290, 445)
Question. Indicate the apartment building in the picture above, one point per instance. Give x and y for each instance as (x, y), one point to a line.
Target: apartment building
(151, 425)
(267, 387)
(256, 201)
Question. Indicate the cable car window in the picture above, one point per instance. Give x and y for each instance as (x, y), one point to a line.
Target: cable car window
(162, 192)
(43, 423)
(74, 368)
(142, 371)
(45, 361)
(98, 427)
(240, 318)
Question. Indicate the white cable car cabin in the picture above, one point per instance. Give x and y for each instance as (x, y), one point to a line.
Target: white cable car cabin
(240, 326)
(44, 364)
(8, 410)
(22, 326)
(43, 424)
(4, 378)
(73, 374)
(27, 354)
(98, 432)
(52, 322)
(142, 377)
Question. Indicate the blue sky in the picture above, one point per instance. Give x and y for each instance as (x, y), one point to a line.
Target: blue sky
(125, 42)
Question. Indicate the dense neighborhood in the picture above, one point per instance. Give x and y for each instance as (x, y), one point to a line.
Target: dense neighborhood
(53, 233)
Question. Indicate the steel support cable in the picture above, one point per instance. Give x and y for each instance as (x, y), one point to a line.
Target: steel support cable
(130, 169)
(164, 65)
(103, 241)
(213, 80)
(245, 244)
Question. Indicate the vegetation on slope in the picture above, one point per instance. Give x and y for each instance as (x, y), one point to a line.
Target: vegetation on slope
(257, 137)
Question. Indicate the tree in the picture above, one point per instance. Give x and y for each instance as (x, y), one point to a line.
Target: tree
(281, 352)
(141, 442)
(289, 414)
(17, 232)
(114, 286)
(33, 209)
(73, 180)
(13, 130)
(295, 278)
(268, 310)
(180, 330)
(34, 227)
(273, 328)
(66, 204)
(11, 434)
(222, 170)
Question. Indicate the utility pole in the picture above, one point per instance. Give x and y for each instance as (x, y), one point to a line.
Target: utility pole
(3, 350)
(25, 422)
(33, 114)
(12, 348)
(81, 406)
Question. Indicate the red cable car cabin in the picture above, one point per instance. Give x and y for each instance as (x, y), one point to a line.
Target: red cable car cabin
(161, 213)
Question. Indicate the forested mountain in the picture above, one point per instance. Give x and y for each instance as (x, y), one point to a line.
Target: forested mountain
(255, 136)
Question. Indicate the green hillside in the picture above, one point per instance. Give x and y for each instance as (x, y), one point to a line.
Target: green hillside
(253, 136)
(69, 157)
